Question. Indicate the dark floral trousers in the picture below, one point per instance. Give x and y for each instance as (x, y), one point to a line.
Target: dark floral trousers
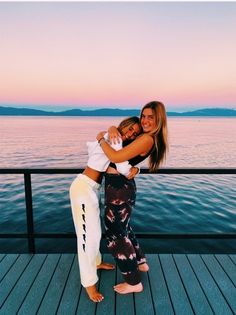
(120, 195)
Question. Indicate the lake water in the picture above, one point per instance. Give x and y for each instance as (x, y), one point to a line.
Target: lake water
(165, 203)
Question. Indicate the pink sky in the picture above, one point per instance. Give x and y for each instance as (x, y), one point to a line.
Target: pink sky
(118, 54)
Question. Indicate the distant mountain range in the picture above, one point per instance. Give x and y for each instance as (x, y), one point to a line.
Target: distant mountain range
(213, 112)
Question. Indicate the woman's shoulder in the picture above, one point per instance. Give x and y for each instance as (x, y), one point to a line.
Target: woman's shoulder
(145, 141)
(146, 137)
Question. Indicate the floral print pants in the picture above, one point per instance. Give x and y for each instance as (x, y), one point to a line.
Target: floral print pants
(120, 194)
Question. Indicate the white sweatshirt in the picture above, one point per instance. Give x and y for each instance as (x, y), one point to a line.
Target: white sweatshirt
(98, 160)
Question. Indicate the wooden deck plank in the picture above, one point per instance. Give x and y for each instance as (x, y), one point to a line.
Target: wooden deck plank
(124, 302)
(2, 256)
(161, 298)
(56, 286)
(17, 295)
(228, 266)
(9, 281)
(85, 306)
(106, 283)
(214, 296)
(71, 294)
(225, 284)
(196, 295)
(178, 295)
(6, 264)
(38, 285)
(35, 295)
(144, 297)
(233, 257)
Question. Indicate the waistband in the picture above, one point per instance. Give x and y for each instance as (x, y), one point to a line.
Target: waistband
(90, 181)
(118, 177)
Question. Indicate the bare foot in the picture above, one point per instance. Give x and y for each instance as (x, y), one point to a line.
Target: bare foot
(124, 288)
(143, 267)
(105, 266)
(93, 294)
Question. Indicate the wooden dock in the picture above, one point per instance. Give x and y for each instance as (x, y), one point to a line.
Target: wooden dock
(176, 284)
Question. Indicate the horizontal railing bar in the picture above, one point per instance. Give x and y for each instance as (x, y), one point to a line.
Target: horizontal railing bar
(138, 235)
(13, 235)
(31, 235)
(202, 170)
(187, 235)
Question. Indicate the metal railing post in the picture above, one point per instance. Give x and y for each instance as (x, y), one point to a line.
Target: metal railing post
(29, 212)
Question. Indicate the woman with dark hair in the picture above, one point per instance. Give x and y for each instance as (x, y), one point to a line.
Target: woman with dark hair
(120, 192)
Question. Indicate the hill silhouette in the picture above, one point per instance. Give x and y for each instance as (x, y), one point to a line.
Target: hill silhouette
(208, 112)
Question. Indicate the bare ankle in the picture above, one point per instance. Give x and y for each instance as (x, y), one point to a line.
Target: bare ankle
(93, 294)
(143, 267)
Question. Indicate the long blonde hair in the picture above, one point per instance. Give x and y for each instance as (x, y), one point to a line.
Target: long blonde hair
(160, 135)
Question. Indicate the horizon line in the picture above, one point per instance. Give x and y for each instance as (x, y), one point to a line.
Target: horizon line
(55, 108)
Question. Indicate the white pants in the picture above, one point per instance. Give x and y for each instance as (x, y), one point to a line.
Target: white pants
(84, 196)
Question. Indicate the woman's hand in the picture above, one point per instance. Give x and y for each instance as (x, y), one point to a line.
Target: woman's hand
(100, 135)
(133, 172)
(113, 135)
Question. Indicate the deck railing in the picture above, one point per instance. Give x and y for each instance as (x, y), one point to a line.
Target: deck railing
(31, 235)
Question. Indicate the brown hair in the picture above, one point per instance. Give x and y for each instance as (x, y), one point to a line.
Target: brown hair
(158, 154)
(129, 121)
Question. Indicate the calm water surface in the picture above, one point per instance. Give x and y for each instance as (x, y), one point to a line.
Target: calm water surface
(165, 203)
(60, 142)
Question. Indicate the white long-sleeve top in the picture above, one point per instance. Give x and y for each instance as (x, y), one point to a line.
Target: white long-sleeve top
(98, 160)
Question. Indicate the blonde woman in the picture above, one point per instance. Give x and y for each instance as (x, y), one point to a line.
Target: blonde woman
(120, 193)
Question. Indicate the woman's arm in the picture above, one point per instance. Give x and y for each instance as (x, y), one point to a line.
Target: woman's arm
(124, 168)
(139, 146)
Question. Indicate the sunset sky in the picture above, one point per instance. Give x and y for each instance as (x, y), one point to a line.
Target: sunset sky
(118, 54)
